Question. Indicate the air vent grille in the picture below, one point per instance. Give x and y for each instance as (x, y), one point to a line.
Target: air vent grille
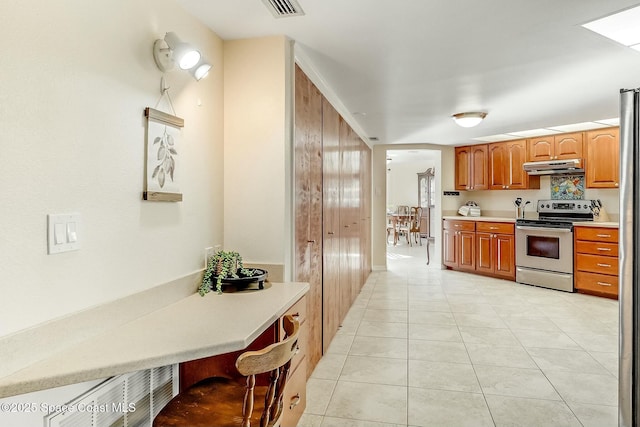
(283, 8)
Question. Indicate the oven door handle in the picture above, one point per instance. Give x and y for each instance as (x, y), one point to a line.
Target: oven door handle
(544, 229)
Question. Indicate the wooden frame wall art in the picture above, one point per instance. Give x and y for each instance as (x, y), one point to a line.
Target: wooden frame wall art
(161, 160)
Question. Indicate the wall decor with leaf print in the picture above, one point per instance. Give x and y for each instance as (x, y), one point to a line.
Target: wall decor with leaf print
(162, 157)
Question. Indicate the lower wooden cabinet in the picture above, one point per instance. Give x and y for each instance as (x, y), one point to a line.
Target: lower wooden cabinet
(459, 247)
(295, 395)
(596, 261)
(479, 246)
(496, 249)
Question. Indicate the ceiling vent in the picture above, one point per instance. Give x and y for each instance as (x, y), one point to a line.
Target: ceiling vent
(374, 138)
(284, 8)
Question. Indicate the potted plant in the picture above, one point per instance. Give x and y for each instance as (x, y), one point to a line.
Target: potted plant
(226, 266)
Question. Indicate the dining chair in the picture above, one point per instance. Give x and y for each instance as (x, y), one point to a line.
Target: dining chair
(414, 228)
(238, 402)
(392, 228)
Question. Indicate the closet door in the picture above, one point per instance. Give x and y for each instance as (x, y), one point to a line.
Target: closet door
(308, 206)
(331, 221)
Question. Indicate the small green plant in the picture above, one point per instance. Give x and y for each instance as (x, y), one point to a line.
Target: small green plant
(222, 265)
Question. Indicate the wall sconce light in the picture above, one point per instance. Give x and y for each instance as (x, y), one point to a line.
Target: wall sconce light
(172, 51)
(469, 120)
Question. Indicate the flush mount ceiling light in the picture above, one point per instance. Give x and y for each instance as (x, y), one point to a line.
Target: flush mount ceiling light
(170, 52)
(621, 27)
(469, 120)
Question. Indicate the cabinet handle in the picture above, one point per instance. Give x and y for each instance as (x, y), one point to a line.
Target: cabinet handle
(311, 241)
(603, 265)
(604, 249)
(604, 284)
(603, 235)
(346, 226)
(493, 228)
(506, 186)
(456, 225)
(296, 316)
(297, 350)
(616, 184)
(295, 400)
(330, 232)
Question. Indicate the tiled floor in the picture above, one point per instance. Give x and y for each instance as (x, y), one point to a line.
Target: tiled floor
(428, 347)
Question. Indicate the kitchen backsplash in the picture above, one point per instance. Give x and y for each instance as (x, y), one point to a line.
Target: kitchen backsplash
(500, 202)
(567, 187)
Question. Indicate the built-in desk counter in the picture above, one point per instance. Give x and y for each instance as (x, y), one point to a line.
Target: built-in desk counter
(191, 328)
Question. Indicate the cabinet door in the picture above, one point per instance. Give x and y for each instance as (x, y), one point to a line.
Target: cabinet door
(467, 250)
(484, 252)
(515, 176)
(504, 260)
(498, 162)
(568, 146)
(603, 158)
(480, 167)
(449, 248)
(540, 149)
(463, 166)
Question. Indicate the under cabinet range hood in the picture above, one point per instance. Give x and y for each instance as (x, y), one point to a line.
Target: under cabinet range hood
(554, 167)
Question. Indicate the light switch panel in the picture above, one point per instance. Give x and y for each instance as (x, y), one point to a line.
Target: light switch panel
(63, 232)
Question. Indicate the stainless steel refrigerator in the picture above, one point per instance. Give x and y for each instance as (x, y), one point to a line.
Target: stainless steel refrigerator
(629, 247)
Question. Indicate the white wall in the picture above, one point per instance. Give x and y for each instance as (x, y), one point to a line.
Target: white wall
(75, 78)
(402, 181)
(257, 155)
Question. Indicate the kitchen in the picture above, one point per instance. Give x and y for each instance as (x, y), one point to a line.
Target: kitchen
(571, 184)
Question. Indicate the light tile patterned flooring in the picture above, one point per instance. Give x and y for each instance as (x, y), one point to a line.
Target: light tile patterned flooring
(423, 346)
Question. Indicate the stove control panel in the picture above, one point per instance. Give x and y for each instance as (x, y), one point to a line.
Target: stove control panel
(564, 206)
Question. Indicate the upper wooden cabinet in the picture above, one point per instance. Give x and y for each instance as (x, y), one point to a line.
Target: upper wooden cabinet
(556, 147)
(472, 167)
(505, 166)
(603, 158)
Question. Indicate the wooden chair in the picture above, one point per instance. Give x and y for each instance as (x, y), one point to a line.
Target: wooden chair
(238, 402)
(392, 228)
(414, 226)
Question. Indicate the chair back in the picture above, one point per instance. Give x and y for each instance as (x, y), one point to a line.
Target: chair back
(276, 360)
(403, 210)
(416, 215)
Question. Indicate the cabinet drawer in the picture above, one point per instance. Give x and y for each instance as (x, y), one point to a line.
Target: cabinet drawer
(597, 264)
(295, 396)
(298, 310)
(459, 225)
(598, 234)
(597, 282)
(495, 227)
(597, 248)
(302, 347)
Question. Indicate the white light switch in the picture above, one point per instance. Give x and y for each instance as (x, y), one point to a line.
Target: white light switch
(63, 232)
(59, 235)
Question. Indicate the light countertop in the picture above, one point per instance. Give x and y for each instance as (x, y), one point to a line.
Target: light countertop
(609, 224)
(480, 218)
(191, 328)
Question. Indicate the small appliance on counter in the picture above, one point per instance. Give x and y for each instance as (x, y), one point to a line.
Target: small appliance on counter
(469, 209)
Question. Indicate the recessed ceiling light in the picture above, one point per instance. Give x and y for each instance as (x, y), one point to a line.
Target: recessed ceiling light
(621, 27)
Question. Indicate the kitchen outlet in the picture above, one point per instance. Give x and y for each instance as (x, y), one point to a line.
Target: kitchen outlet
(63, 233)
(208, 253)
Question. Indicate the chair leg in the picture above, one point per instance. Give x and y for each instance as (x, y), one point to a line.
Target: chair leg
(428, 255)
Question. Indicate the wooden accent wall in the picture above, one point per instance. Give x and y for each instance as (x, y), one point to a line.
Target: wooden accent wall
(333, 213)
(331, 219)
(308, 205)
